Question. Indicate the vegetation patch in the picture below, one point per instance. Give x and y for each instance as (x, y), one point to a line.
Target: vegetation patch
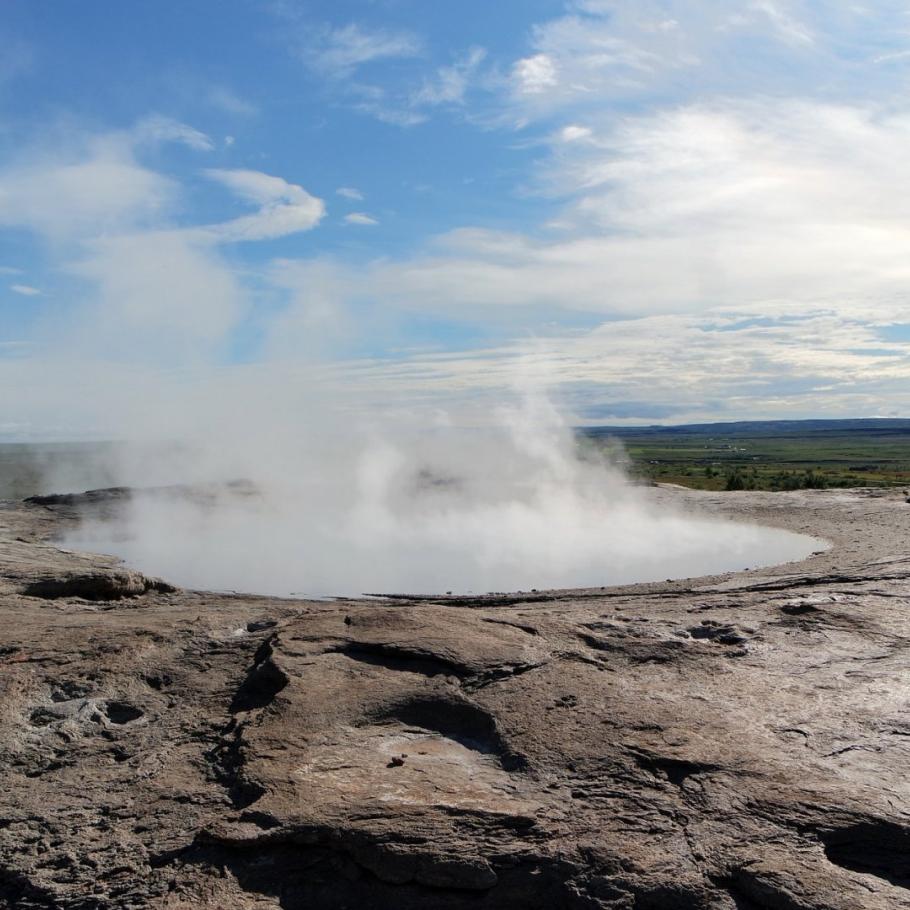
(764, 455)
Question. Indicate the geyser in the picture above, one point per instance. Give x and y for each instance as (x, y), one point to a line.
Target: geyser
(352, 510)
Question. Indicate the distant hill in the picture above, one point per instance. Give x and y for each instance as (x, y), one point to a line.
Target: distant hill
(877, 426)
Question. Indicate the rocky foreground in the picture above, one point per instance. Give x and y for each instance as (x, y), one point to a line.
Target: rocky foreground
(732, 742)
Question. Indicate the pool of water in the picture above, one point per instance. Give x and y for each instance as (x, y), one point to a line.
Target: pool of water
(501, 549)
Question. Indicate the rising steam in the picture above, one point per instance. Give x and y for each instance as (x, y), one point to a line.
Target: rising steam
(332, 509)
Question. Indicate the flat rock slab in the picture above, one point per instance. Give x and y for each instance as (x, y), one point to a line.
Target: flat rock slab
(723, 743)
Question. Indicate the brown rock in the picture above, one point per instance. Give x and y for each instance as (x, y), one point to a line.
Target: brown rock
(731, 742)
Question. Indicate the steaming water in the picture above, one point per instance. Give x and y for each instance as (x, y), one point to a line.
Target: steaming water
(345, 512)
(435, 539)
(242, 554)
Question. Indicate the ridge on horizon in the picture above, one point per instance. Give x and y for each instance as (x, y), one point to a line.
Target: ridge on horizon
(809, 423)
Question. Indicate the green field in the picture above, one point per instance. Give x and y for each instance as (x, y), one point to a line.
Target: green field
(766, 455)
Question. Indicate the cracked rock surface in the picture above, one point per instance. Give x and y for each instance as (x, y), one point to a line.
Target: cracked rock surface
(724, 743)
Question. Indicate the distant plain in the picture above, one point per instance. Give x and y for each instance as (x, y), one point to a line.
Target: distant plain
(766, 455)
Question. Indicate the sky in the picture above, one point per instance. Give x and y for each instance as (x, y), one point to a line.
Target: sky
(673, 211)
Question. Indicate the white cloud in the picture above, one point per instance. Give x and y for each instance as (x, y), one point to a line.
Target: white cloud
(153, 292)
(103, 189)
(26, 290)
(722, 364)
(386, 106)
(9, 270)
(533, 75)
(285, 208)
(676, 225)
(763, 205)
(360, 218)
(349, 59)
(164, 129)
(786, 24)
(742, 248)
(601, 53)
(574, 133)
(450, 83)
(93, 184)
(589, 59)
(100, 188)
(163, 298)
(338, 52)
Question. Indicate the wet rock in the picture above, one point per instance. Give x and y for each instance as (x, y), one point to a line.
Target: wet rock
(89, 497)
(96, 586)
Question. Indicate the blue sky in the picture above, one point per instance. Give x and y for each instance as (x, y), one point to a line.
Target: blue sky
(671, 210)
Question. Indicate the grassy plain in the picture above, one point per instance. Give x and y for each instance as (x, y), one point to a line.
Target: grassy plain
(767, 455)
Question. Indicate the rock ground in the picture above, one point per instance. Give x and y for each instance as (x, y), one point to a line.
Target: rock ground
(739, 741)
